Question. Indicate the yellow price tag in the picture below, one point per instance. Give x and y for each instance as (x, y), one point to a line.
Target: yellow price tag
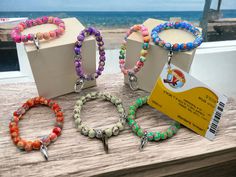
(188, 101)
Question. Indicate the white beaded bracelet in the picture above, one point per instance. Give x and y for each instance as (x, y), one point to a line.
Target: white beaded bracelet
(103, 135)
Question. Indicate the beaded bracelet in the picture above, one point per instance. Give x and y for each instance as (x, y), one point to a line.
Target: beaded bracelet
(78, 57)
(177, 25)
(143, 134)
(16, 32)
(103, 135)
(140, 63)
(40, 143)
(176, 47)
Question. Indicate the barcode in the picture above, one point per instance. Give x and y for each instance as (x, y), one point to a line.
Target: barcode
(217, 116)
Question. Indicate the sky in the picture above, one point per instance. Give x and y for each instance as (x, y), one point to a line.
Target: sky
(109, 5)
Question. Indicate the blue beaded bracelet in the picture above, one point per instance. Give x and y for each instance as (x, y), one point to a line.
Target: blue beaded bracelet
(181, 46)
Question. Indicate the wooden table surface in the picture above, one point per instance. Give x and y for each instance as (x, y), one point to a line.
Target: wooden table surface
(186, 154)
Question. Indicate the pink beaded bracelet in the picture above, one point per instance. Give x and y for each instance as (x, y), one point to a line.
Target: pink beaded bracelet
(18, 38)
(142, 58)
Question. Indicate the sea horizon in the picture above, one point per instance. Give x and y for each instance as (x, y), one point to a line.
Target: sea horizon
(115, 19)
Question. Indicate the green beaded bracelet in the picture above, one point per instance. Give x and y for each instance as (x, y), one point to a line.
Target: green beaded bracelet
(98, 133)
(144, 135)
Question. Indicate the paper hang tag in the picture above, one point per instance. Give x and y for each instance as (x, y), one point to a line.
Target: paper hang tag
(188, 101)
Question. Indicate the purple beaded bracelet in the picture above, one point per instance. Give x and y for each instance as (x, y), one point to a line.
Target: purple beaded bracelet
(78, 57)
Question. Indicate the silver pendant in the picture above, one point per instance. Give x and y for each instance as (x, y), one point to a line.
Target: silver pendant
(105, 142)
(36, 43)
(44, 151)
(144, 141)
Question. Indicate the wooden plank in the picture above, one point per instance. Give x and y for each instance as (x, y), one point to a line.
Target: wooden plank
(224, 20)
(75, 155)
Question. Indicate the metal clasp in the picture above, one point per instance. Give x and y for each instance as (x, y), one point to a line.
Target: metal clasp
(36, 42)
(79, 85)
(144, 141)
(170, 55)
(133, 81)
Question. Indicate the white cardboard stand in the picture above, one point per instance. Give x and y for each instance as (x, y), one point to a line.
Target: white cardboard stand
(53, 65)
(157, 56)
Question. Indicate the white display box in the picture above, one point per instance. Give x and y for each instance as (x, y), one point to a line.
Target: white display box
(53, 65)
(157, 56)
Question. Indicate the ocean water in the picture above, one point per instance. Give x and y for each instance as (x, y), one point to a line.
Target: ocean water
(117, 19)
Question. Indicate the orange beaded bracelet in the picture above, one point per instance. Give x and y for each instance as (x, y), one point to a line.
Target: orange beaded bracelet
(40, 143)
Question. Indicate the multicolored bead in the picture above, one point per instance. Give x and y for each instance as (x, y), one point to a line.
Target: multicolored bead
(135, 127)
(150, 136)
(36, 145)
(28, 146)
(108, 132)
(91, 133)
(120, 126)
(140, 132)
(53, 136)
(21, 144)
(164, 135)
(157, 136)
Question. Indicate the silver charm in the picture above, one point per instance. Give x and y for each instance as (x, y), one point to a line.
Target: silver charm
(78, 57)
(105, 142)
(144, 141)
(36, 42)
(79, 85)
(133, 82)
(44, 151)
(98, 133)
(123, 118)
